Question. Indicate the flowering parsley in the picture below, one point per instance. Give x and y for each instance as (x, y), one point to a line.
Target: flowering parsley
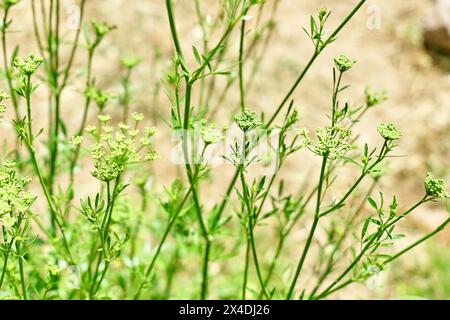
(3, 96)
(76, 141)
(435, 187)
(343, 63)
(333, 142)
(100, 98)
(27, 65)
(137, 116)
(247, 120)
(13, 197)
(389, 132)
(208, 132)
(115, 149)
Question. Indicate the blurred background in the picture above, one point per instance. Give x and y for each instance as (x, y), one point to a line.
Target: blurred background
(402, 46)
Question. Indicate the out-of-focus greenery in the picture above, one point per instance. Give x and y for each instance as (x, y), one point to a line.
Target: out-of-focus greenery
(429, 279)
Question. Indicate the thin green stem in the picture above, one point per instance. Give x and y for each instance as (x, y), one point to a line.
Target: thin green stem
(6, 64)
(241, 65)
(87, 103)
(316, 54)
(250, 217)
(246, 267)
(21, 273)
(337, 246)
(368, 245)
(311, 232)
(421, 240)
(5, 264)
(174, 33)
(172, 221)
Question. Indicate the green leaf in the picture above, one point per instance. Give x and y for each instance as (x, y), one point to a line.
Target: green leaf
(364, 229)
(197, 55)
(373, 203)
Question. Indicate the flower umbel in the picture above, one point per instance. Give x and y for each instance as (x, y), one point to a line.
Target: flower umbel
(3, 96)
(435, 187)
(343, 63)
(100, 98)
(115, 149)
(101, 28)
(13, 197)
(247, 120)
(333, 142)
(208, 132)
(389, 132)
(28, 65)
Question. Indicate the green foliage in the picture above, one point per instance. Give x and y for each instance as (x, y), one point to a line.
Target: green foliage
(122, 239)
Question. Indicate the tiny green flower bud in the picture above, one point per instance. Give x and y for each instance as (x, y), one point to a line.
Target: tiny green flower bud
(150, 131)
(123, 127)
(343, 63)
(27, 65)
(375, 97)
(76, 141)
(208, 133)
(152, 155)
(435, 187)
(9, 3)
(389, 132)
(91, 130)
(3, 95)
(130, 62)
(137, 116)
(306, 141)
(322, 13)
(247, 120)
(54, 271)
(104, 118)
(101, 28)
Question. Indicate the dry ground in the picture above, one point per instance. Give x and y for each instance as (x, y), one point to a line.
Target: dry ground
(390, 57)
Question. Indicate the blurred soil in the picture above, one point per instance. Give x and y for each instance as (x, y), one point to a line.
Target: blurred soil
(390, 57)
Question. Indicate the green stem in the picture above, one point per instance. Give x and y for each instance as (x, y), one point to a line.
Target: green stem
(21, 273)
(5, 264)
(365, 172)
(161, 243)
(250, 216)
(104, 235)
(335, 95)
(316, 54)
(7, 66)
(287, 97)
(331, 258)
(241, 65)
(246, 265)
(329, 289)
(84, 117)
(312, 231)
(174, 33)
(421, 240)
